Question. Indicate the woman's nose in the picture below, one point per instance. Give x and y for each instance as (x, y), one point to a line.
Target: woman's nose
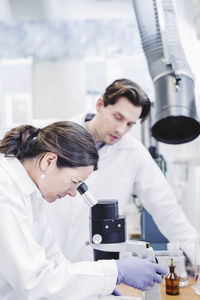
(72, 193)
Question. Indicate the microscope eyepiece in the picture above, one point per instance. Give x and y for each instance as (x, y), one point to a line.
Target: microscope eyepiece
(82, 188)
(86, 195)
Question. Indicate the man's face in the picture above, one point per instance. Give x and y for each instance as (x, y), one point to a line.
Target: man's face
(114, 121)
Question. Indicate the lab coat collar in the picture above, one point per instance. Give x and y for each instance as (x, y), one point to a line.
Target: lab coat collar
(18, 173)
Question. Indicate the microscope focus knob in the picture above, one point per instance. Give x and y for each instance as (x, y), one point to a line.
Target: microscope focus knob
(97, 239)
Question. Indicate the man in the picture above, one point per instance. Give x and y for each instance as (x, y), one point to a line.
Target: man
(125, 167)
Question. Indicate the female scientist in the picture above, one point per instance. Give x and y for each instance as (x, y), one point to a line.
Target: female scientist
(49, 163)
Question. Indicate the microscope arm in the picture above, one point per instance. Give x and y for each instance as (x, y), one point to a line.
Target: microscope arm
(135, 247)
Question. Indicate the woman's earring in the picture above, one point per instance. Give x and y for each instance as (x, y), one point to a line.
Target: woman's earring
(43, 176)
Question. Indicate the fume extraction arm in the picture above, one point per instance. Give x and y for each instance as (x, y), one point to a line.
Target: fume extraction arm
(176, 120)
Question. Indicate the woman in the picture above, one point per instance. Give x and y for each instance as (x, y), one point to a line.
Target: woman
(49, 163)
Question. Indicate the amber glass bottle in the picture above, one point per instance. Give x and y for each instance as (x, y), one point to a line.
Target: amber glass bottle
(172, 281)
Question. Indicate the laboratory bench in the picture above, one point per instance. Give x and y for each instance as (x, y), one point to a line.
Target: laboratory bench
(186, 293)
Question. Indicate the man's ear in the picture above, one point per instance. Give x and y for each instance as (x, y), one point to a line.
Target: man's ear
(100, 103)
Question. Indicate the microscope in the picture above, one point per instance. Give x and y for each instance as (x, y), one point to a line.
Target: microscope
(108, 236)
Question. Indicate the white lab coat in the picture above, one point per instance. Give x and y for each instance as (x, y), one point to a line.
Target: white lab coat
(124, 168)
(31, 264)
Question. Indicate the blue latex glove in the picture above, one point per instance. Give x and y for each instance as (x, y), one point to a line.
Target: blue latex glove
(139, 273)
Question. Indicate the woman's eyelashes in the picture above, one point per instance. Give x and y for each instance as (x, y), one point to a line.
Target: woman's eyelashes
(76, 181)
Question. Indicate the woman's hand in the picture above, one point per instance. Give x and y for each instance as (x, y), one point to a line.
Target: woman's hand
(139, 273)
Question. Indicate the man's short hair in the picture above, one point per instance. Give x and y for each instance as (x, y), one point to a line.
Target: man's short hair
(132, 91)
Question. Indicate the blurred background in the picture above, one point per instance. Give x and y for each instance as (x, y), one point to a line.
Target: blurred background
(57, 57)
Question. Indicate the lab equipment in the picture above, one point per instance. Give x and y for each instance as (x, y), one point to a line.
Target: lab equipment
(164, 258)
(150, 230)
(196, 286)
(176, 119)
(89, 199)
(108, 235)
(107, 227)
(172, 281)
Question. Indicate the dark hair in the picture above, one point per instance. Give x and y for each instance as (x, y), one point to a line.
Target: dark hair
(72, 143)
(132, 91)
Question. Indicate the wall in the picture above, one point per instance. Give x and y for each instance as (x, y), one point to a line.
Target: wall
(59, 89)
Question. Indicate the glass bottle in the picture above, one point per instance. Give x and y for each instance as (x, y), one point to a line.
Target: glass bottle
(172, 281)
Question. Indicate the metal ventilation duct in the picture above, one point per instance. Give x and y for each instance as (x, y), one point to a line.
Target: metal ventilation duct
(176, 119)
